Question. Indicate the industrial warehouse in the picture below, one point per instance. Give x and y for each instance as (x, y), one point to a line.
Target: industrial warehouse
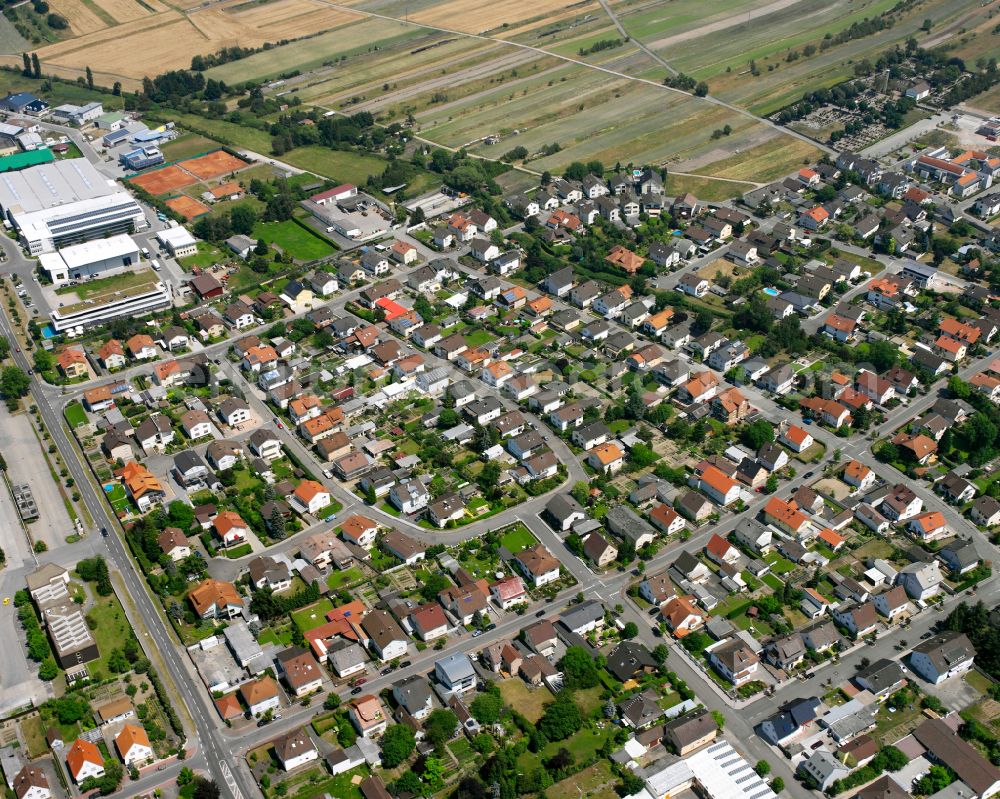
(66, 202)
(92, 258)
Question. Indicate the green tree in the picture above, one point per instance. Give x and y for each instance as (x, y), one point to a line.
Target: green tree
(276, 524)
(206, 789)
(719, 719)
(398, 743)
(433, 776)
(90, 78)
(242, 220)
(408, 782)
(630, 783)
(777, 785)
(892, 758)
(433, 585)
(579, 669)
(440, 726)
(36, 66)
(757, 434)
(561, 718)
(70, 709)
(630, 630)
(763, 768)
(487, 707)
(642, 456)
(14, 382)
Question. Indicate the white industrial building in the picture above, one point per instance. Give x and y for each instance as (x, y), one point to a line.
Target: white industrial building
(78, 114)
(92, 258)
(66, 202)
(178, 241)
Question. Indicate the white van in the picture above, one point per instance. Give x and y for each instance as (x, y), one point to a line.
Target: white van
(145, 252)
(155, 264)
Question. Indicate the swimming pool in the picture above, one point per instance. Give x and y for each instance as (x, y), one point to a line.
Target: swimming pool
(48, 332)
(771, 292)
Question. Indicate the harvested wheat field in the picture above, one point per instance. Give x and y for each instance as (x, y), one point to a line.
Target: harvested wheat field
(212, 165)
(476, 16)
(82, 20)
(289, 19)
(126, 10)
(162, 181)
(148, 44)
(187, 207)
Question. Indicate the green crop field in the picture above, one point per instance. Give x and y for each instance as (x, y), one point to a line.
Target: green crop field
(311, 53)
(292, 239)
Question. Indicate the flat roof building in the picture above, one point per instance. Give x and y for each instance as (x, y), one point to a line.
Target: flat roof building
(178, 241)
(66, 202)
(89, 259)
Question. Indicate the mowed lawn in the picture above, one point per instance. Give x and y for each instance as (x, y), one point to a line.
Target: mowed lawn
(75, 414)
(293, 239)
(518, 538)
(312, 615)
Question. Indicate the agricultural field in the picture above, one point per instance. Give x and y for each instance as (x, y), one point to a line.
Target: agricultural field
(10, 40)
(127, 39)
(705, 188)
(722, 57)
(314, 52)
(763, 163)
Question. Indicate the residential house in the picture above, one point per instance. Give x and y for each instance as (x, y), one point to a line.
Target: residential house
(945, 655)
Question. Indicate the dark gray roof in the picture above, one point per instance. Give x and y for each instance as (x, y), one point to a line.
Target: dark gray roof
(628, 659)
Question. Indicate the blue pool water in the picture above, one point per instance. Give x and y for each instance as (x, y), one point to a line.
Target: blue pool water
(48, 332)
(772, 292)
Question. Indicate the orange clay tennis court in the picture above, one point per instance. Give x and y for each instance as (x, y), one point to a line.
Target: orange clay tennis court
(212, 165)
(187, 207)
(163, 181)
